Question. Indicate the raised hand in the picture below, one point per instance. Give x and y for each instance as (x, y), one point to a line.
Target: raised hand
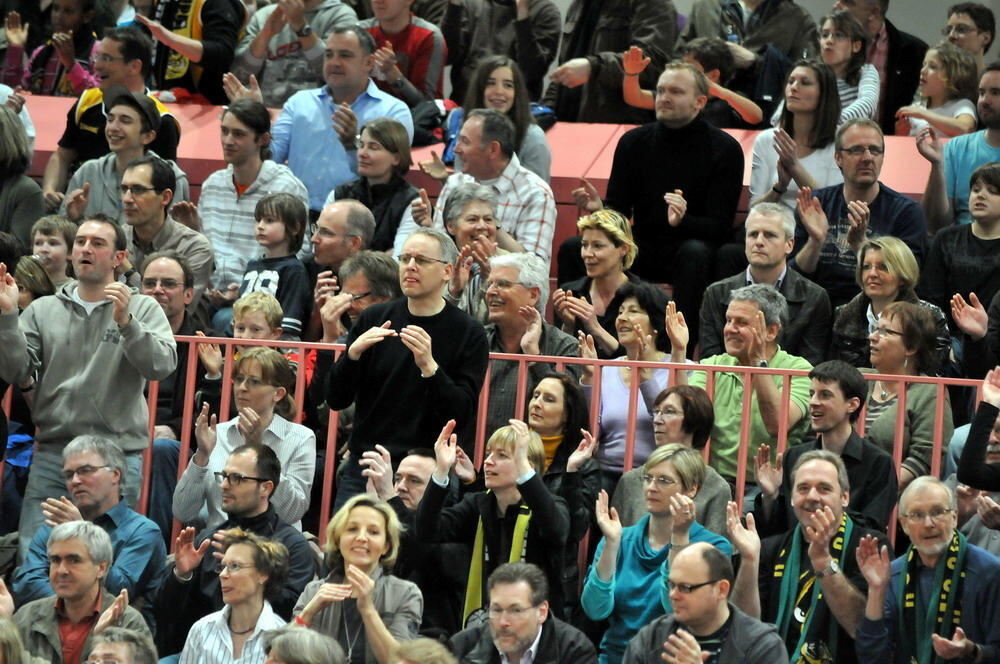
(345, 123)
(522, 438)
(858, 215)
(120, 296)
(586, 197)
(236, 90)
(76, 203)
(683, 512)
(676, 207)
(572, 73)
(991, 385)
(744, 538)
(607, 518)
(377, 467)
(585, 450)
(434, 167)
(677, 329)
(421, 209)
(60, 510)
(874, 562)
(587, 350)
(634, 61)
(419, 342)
(369, 338)
(929, 146)
(186, 212)
(446, 450)
(250, 425)
(210, 356)
(532, 338)
(812, 215)
(205, 434)
(112, 616)
(768, 474)
(186, 556)
(17, 32)
(275, 22)
(971, 316)
(8, 291)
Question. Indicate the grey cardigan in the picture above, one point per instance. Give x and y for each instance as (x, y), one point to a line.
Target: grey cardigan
(399, 603)
(709, 502)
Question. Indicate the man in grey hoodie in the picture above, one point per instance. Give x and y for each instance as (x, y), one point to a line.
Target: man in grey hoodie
(84, 355)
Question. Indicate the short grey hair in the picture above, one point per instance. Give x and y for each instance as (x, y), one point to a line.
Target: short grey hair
(829, 457)
(140, 645)
(94, 538)
(301, 645)
(360, 221)
(465, 193)
(767, 298)
(449, 252)
(532, 273)
(109, 452)
(776, 211)
(925, 482)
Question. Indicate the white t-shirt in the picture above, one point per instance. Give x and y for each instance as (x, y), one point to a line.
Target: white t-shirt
(951, 109)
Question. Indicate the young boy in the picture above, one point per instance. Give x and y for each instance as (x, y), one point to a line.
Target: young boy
(281, 224)
(51, 239)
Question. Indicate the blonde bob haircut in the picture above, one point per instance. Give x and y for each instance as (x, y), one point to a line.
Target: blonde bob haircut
(504, 439)
(687, 463)
(898, 259)
(337, 525)
(276, 371)
(265, 303)
(616, 227)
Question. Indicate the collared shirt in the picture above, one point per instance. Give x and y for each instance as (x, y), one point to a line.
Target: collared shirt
(526, 210)
(776, 284)
(73, 636)
(295, 447)
(529, 655)
(174, 236)
(139, 555)
(872, 320)
(304, 136)
(209, 641)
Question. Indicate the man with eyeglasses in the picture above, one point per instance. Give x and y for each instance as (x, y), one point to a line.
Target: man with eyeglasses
(190, 588)
(343, 228)
(971, 26)
(94, 470)
(412, 363)
(807, 581)
(836, 220)
(147, 191)
(86, 352)
(521, 627)
(704, 625)
(516, 292)
(939, 600)
(132, 124)
(60, 627)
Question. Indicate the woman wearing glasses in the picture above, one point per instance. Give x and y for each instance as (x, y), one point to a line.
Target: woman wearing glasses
(626, 582)
(383, 161)
(470, 217)
(360, 604)
(251, 572)
(886, 272)
(263, 383)
(903, 344)
(681, 414)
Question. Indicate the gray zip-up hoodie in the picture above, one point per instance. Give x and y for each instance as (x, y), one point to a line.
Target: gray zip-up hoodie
(89, 373)
(287, 68)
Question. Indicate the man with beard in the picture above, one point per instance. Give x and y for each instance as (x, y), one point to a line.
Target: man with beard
(937, 601)
(946, 198)
(521, 625)
(812, 588)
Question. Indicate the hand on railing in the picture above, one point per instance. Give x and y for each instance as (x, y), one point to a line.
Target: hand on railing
(970, 317)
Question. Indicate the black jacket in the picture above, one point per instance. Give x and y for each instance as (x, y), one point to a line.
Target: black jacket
(579, 490)
(807, 333)
(903, 63)
(560, 643)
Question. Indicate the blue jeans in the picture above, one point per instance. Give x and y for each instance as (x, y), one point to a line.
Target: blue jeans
(350, 482)
(45, 480)
(163, 481)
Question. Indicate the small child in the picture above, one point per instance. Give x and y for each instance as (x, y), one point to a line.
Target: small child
(51, 239)
(281, 226)
(62, 66)
(948, 84)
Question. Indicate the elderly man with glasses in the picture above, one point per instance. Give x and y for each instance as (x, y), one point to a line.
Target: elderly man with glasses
(939, 600)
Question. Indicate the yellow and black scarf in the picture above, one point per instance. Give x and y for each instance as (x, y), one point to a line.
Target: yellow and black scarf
(942, 615)
(475, 588)
(800, 594)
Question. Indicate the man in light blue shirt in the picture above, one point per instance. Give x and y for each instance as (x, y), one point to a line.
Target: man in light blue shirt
(316, 132)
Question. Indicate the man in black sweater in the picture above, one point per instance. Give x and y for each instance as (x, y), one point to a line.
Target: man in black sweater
(412, 364)
(680, 180)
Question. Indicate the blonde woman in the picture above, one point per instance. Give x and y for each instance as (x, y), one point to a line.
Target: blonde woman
(360, 604)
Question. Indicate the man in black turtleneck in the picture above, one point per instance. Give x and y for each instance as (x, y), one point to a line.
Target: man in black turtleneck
(190, 587)
(680, 180)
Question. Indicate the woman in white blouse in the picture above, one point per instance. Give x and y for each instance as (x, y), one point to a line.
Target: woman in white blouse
(252, 568)
(799, 151)
(263, 383)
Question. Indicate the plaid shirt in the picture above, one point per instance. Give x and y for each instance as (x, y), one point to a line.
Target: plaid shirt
(527, 209)
(878, 56)
(227, 219)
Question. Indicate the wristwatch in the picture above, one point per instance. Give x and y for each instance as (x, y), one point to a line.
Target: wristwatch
(304, 31)
(762, 364)
(832, 567)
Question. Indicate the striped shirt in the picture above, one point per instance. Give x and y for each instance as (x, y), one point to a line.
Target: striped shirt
(209, 641)
(227, 219)
(295, 447)
(861, 100)
(527, 209)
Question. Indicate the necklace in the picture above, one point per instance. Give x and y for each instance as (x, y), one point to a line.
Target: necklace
(347, 635)
(229, 623)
